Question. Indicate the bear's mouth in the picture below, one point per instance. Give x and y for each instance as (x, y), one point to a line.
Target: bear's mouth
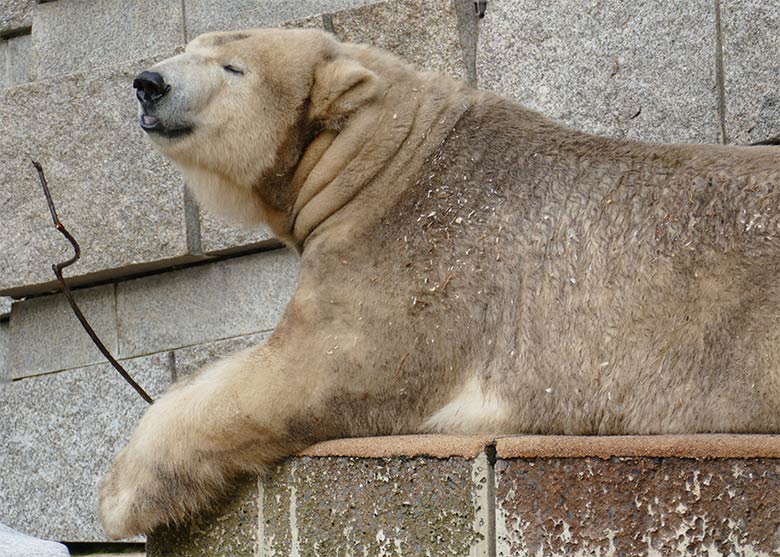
(152, 124)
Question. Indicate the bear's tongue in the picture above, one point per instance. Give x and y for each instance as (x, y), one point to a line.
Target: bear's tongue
(148, 121)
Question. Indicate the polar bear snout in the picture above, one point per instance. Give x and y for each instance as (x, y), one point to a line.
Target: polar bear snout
(163, 109)
(150, 87)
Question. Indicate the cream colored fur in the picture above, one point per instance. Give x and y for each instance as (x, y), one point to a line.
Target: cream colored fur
(467, 266)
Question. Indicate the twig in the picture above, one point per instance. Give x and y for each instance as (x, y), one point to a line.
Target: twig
(447, 280)
(69, 296)
(401, 365)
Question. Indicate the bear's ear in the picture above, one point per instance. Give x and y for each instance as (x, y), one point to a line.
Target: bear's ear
(341, 86)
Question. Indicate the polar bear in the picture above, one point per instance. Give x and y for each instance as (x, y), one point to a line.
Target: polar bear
(467, 266)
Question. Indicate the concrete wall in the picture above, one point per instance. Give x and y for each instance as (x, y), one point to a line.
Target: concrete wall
(527, 496)
(687, 71)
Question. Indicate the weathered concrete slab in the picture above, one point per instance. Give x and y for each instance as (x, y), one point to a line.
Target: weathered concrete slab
(636, 506)
(751, 44)
(545, 495)
(605, 67)
(46, 336)
(121, 200)
(424, 33)
(203, 15)
(232, 532)
(15, 15)
(80, 35)
(60, 433)
(407, 506)
(349, 505)
(189, 360)
(230, 298)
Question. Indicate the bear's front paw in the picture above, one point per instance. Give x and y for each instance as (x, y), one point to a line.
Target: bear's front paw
(130, 499)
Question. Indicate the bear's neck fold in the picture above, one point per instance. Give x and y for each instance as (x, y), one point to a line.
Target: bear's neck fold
(383, 143)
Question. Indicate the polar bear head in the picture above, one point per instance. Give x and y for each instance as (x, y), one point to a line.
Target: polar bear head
(236, 111)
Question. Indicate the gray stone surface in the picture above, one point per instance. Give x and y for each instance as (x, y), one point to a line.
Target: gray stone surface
(121, 200)
(84, 34)
(210, 302)
(190, 359)
(17, 51)
(204, 15)
(641, 70)
(422, 32)
(46, 336)
(218, 235)
(16, 544)
(15, 15)
(751, 64)
(60, 433)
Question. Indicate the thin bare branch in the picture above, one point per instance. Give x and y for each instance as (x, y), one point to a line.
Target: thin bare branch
(69, 296)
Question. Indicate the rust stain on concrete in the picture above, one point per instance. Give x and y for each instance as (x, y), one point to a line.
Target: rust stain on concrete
(637, 506)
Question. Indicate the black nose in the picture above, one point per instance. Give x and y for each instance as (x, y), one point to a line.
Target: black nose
(150, 87)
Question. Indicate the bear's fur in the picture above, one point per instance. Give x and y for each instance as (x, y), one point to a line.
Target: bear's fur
(467, 266)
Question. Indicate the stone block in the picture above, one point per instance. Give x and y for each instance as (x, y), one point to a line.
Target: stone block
(219, 236)
(234, 297)
(190, 359)
(15, 15)
(401, 503)
(17, 60)
(423, 33)
(121, 200)
(60, 434)
(636, 506)
(638, 70)
(46, 336)
(203, 16)
(751, 42)
(82, 35)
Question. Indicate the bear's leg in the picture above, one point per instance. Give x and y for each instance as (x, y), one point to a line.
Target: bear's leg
(226, 420)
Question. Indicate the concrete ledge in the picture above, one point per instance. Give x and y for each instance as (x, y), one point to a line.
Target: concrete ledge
(434, 446)
(658, 446)
(510, 496)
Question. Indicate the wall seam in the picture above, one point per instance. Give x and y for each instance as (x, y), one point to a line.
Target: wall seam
(259, 547)
(115, 289)
(468, 33)
(490, 452)
(720, 75)
(184, 30)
